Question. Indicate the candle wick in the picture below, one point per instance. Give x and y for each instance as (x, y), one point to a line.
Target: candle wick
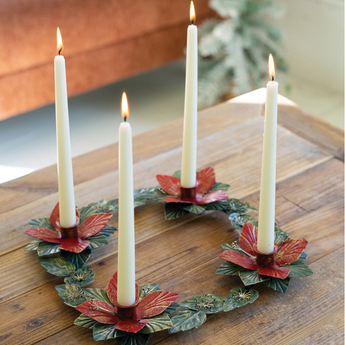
(192, 22)
(59, 51)
(272, 77)
(125, 119)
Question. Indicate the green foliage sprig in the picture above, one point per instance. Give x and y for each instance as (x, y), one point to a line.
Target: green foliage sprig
(234, 49)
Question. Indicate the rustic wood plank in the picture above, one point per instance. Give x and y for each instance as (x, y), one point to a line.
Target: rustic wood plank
(273, 318)
(309, 205)
(173, 255)
(176, 248)
(19, 266)
(311, 127)
(150, 222)
(301, 122)
(307, 191)
(234, 153)
(105, 160)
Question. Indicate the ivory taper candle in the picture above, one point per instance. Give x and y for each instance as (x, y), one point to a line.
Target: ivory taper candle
(126, 240)
(268, 170)
(64, 157)
(190, 127)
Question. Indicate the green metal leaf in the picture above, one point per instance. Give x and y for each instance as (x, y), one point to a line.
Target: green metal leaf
(141, 195)
(96, 241)
(134, 339)
(226, 246)
(108, 230)
(301, 259)
(85, 212)
(219, 205)
(174, 210)
(144, 290)
(101, 206)
(229, 269)
(193, 208)
(57, 266)
(82, 277)
(100, 294)
(157, 194)
(249, 277)
(177, 174)
(280, 236)
(73, 295)
(219, 186)
(238, 297)
(187, 319)
(279, 285)
(46, 248)
(299, 270)
(85, 321)
(42, 222)
(105, 332)
(238, 220)
(209, 304)
(235, 247)
(33, 245)
(79, 259)
(172, 308)
(238, 206)
(113, 205)
(157, 323)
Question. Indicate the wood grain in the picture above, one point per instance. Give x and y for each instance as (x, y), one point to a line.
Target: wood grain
(311, 127)
(103, 161)
(182, 255)
(225, 150)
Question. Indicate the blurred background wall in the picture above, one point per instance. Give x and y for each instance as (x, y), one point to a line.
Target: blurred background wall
(314, 41)
(105, 41)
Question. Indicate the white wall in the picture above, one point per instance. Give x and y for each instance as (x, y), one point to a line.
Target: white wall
(314, 40)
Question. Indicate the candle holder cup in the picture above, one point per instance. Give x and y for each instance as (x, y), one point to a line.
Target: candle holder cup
(69, 233)
(188, 194)
(265, 260)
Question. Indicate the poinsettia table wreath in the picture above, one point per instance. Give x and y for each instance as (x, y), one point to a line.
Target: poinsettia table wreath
(274, 270)
(208, 195)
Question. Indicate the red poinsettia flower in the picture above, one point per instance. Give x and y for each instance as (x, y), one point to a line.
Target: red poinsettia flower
(151, 305)
(289, 251)
(90, 227)
(205, 179)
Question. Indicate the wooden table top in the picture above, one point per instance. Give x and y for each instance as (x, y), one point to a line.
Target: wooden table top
(182, 255)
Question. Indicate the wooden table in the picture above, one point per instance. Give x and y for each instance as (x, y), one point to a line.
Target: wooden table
(182, 255)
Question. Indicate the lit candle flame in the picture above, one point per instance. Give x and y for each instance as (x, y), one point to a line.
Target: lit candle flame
(192, 12)
(59, 41)
(271, 68)
(124, 106)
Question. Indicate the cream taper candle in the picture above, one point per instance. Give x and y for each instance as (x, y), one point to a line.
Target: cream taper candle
(126, 240)
(190, 127)
(268, 170)
(64, 157)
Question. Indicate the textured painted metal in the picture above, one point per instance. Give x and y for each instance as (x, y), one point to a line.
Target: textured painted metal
(205, 178)
(188, 193)
(72, 239)
(270, 265)
(129, 319)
